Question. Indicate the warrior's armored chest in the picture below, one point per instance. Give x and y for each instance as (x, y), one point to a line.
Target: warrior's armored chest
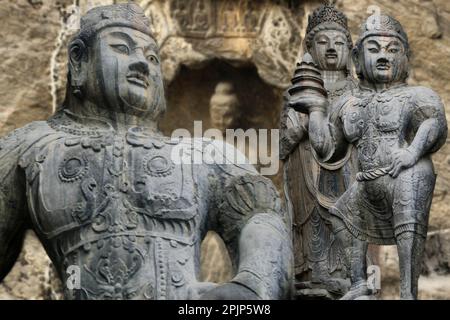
(374, 116)
(110, 183)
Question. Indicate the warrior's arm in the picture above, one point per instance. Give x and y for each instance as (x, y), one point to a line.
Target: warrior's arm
(252, 226)
(12, 205)
(246, 212)
(429, 123)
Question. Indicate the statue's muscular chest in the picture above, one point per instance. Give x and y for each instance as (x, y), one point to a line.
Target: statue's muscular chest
(118, 183)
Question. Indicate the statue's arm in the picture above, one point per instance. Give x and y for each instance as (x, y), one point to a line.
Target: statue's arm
(429, 122)
(250, 221)
(13, 208)
(292, 130)
(428, 130)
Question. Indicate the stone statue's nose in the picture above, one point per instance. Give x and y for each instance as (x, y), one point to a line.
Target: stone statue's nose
(140, 66)
(139, 63)
(382, 60)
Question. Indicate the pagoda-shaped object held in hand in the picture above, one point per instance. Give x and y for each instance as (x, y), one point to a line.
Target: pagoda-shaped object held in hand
(307, 80)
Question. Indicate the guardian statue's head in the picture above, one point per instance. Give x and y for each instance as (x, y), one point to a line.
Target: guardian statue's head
(381, 54)
(114, 62)
(328, 39)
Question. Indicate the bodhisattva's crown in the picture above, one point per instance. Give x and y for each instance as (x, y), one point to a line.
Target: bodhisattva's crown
(326, 13)
(128, 15)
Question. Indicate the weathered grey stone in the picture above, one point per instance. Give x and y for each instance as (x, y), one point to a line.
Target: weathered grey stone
(32, 53)
(133, 206)
(312, 186)
(395, 128)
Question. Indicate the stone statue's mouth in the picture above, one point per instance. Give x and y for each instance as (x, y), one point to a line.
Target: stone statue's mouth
(138, 79)
(383, 66)
(331, 55)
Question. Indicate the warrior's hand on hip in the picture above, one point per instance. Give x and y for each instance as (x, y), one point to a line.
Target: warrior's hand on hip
(402, 159)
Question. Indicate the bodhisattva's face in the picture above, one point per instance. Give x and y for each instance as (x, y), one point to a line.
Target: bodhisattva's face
(330, 50)
(384, 59)
(126, 70)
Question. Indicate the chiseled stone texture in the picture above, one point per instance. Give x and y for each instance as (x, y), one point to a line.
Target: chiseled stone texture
(33, 41)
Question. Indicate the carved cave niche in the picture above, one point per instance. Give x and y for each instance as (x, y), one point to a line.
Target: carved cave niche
(189, 94)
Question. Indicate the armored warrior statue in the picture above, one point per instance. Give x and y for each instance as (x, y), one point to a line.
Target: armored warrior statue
(312, 186)
(102, 188)
(395, 129)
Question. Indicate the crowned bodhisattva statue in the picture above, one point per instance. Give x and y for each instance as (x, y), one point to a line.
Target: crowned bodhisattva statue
(311, 185)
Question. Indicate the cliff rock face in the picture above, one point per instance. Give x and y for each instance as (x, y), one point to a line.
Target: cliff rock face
(260, 41)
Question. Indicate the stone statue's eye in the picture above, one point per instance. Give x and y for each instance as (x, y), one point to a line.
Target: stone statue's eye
(153, 59)
(339, 43)
(373, 50)
(121, 48)
(393, 50)
(322, 42)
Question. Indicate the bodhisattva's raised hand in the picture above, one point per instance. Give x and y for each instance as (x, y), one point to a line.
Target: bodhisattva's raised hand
(307, 103)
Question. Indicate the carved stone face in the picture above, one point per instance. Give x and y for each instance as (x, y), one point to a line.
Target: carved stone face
(330, 50)
(384, 59)
(126, 70)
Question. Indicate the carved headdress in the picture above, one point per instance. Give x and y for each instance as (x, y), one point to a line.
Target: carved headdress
(128, 15)
(383, 25)
(326, 17)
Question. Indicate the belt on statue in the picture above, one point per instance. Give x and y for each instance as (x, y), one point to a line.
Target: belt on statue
(371, 174)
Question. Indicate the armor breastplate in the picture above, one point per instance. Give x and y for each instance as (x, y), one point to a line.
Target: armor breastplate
(119, 209)
(376, 124)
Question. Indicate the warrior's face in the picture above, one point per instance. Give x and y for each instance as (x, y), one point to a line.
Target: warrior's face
(383, 59)
(330, 50)
(126, 73)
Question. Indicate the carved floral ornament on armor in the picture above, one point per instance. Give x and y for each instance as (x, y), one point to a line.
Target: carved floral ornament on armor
(126, 218)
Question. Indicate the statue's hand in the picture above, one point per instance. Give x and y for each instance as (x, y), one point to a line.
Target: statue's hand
(230, 291)
(293, 135)
(307, 103)
(402, 159)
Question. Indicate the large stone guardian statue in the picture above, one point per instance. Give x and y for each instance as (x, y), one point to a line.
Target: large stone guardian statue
(117, 212)
(311, 185)
(395, 128)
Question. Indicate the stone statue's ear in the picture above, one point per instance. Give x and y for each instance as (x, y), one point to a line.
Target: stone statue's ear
(77, 65)
(356, 62)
